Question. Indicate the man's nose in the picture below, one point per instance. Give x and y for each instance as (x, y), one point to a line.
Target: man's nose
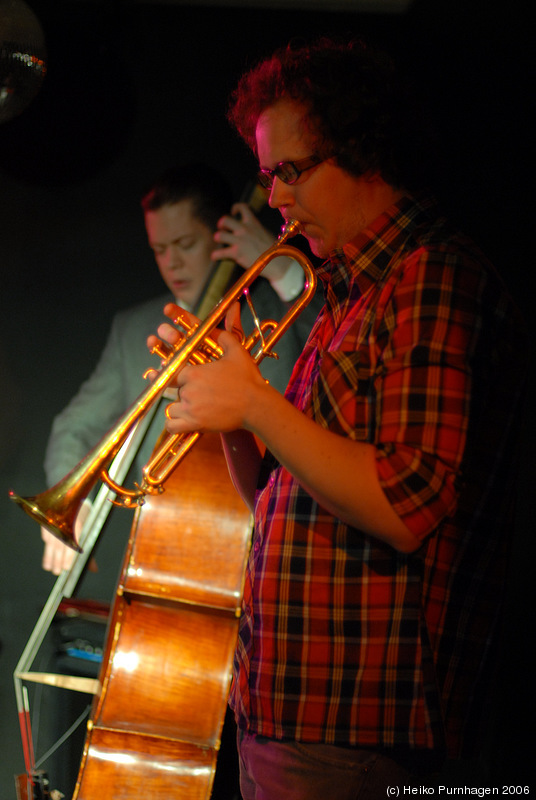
(281, 194)
(174, 258)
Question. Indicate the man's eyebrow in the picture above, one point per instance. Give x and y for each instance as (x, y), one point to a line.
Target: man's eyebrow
(173, 241)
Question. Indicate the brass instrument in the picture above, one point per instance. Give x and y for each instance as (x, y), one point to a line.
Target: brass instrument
(56, 508)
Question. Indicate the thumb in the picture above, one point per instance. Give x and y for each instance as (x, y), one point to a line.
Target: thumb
(233, 323)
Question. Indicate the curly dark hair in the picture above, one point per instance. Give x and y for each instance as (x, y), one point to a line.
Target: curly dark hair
(357, 106)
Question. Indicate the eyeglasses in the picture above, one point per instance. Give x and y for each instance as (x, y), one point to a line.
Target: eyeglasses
(287, 171)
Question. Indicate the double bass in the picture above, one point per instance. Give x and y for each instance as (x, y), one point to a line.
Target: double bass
(157, 721)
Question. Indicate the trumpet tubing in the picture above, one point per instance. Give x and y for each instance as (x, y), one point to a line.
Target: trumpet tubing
(56, 508)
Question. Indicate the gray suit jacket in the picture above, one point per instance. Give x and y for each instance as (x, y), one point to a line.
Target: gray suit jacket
(118, 378)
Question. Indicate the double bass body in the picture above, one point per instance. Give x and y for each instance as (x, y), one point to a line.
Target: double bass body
(156, 725)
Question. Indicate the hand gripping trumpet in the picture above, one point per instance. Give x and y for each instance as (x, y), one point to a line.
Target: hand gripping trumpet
(56, 508)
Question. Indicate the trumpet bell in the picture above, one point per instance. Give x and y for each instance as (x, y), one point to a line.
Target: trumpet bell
(48, 510)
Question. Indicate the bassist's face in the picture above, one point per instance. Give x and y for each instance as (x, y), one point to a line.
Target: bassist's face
(182, 246)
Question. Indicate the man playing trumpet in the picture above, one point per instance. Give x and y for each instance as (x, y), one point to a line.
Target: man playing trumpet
(379, 481)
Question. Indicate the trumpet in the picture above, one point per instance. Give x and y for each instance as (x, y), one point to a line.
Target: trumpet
(56, 508)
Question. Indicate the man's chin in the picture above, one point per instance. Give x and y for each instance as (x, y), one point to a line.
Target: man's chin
(318, 247)
(316, 242)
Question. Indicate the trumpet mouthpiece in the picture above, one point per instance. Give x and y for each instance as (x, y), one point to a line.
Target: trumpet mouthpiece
(291, 228)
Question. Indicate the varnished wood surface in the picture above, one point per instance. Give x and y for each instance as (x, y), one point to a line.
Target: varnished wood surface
(120, 766)
(195, 549)
(156, 725)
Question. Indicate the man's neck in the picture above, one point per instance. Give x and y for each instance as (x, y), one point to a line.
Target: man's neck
(381, 196)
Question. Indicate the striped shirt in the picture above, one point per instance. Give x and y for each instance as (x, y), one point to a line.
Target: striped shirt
(344, 640)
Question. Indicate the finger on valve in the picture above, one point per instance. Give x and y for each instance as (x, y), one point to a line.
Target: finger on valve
(233, 323)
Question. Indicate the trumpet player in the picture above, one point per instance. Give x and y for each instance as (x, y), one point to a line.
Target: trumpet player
(380, 480)
(191, 225)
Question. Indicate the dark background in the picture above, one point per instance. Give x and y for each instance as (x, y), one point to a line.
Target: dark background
(134, 87)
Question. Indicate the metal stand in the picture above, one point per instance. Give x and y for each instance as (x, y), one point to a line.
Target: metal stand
(64, 587)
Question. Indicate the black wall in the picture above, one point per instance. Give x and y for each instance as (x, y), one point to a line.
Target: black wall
(133, 88)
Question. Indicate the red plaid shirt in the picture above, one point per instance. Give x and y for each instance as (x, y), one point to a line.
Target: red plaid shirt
(342, 639)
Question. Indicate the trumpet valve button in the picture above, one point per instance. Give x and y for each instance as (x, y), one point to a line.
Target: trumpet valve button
(162, 350)
(185, 320)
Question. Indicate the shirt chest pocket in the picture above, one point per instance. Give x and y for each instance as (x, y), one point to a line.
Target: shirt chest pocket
(343, 395)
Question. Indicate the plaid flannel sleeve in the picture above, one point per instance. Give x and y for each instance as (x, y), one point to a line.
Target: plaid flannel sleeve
(423, 383)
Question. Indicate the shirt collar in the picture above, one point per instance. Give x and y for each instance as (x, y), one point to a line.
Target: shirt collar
(365, 260)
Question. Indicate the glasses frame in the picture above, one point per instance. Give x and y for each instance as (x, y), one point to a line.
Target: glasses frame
(294, 168)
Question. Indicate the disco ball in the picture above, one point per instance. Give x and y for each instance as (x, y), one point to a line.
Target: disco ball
(22, 57)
